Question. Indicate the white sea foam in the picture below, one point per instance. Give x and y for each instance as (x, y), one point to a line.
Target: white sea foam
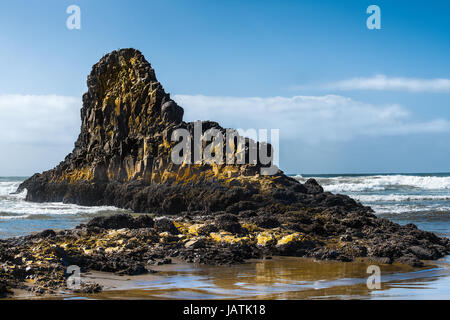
(398, 197)
(9, 187)
(393, 194)
(11, 209)
(14, 206)
(402, 209)
(381, 182)
(24, 216)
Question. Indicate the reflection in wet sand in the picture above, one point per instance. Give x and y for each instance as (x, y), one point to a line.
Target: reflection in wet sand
(280, 278)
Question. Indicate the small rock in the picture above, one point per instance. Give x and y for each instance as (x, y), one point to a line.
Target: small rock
(382, 260)
(3, 290)
(120, 221)
(313, 186)
(411, 260)
(89, 288)
(346, 238)
(266, 222)
(195, 244)
(47, 234)
(422, 253)
(166, 225)
(207, 229)
(228, 222)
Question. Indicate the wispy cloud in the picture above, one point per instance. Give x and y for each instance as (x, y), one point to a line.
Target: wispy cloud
(37, 131)
(55, 120)
(382, 82)
(310, 119)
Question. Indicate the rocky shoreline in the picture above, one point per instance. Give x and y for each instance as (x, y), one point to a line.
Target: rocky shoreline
(202, 213)
(128, 245)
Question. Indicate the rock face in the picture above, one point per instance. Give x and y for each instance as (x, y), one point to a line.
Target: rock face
(123, 158)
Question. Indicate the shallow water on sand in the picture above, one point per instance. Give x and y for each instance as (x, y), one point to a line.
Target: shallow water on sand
(280, 278)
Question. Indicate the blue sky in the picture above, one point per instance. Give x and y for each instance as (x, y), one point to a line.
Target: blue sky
(349, 100)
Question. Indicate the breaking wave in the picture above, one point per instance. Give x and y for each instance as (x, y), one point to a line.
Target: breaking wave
(381, 182)
(14, 206)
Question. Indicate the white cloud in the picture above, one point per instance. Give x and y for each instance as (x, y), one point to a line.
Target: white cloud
(308, 118)
(382, 82)
(39, 119)
(53, 120)
(38, 131)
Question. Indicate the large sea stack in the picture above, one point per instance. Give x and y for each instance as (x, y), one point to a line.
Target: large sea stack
(214, 213)
(123, 154)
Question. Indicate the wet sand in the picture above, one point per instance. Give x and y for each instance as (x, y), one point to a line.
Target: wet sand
(278, 278)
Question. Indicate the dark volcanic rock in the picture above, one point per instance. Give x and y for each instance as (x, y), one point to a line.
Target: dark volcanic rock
(120, 221)
(313, 187)
(207, 229)
(166, 225)
(266, 222)
(3, 289)
(46, 234)
(228, 222)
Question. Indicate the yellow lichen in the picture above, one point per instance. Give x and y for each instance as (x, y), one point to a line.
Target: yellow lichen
(265, 238)
(112, 249)
(84, 174)
(118, 232)
(250, 227)
(227, 237)
(117, 103)
(291, 237)
(182, 227)
(193, 229)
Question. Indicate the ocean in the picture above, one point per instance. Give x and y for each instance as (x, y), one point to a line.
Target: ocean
(19, 217)
(419, 198)
(422, 199)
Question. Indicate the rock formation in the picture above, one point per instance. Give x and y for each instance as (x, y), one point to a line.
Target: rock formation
(219, 213)
(123, 154)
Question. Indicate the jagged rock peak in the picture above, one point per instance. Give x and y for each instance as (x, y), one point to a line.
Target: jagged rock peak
(124, 112)
(124, 96)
